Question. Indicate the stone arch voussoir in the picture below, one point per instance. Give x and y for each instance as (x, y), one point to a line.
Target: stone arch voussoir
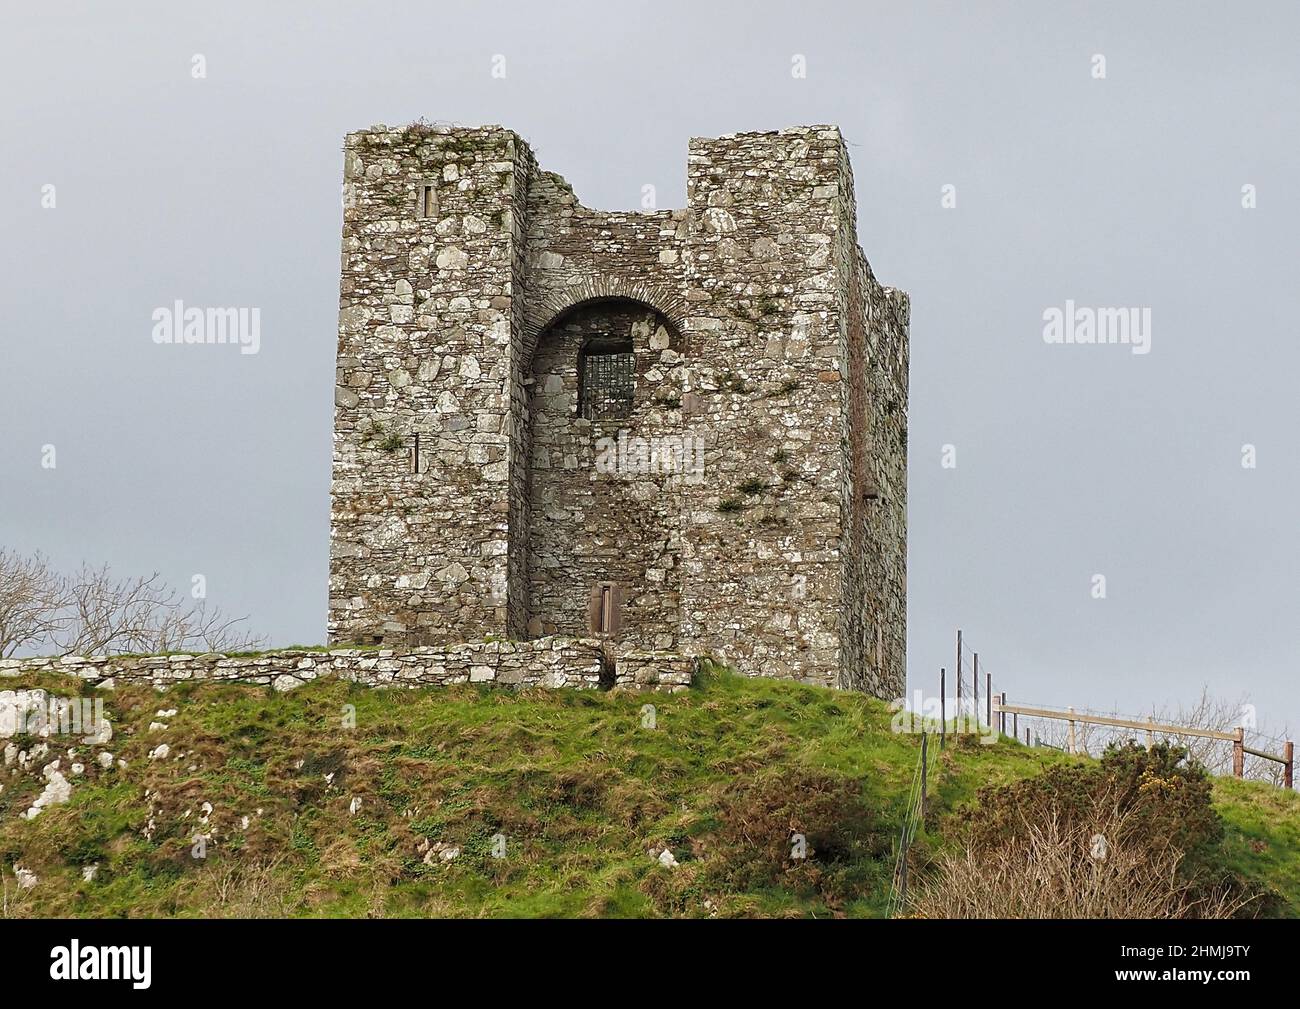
(539, 316)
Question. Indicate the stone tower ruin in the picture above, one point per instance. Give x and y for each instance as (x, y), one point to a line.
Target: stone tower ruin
(675, 430)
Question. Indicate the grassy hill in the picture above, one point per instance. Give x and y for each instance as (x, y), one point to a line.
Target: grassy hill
(399, 815)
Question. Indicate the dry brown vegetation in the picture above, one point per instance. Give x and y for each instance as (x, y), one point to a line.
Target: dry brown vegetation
(1133, 836)
(1058, 869)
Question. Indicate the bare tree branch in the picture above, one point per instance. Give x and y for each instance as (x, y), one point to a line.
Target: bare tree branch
(31, 600)
(92, 612)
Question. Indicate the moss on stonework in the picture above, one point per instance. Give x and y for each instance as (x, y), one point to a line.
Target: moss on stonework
(729, 381)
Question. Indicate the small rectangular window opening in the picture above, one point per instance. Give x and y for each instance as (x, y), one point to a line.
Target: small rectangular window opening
(608, 382)
(415, 454)
(428, 202)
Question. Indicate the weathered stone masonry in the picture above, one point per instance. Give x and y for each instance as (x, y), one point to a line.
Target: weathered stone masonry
(544, 662)
(475, 493)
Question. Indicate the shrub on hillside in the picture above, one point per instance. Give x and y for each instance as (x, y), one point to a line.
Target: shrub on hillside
(1134, 835)
(1166, 799)
(754, 841)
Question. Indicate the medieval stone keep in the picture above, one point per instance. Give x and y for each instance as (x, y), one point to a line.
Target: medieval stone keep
(679, 431)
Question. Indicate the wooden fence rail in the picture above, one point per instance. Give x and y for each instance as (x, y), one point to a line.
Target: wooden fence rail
(996, 703)
(1151, 726)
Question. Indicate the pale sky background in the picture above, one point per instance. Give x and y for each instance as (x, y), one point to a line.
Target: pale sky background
(1072, 461)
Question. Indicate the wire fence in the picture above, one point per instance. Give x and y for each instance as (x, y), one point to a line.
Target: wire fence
(1071, 730)
(1213, 734)
(913, 820)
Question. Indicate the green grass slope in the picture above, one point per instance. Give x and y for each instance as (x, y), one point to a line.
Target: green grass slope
(1262, 836)
(334, 800)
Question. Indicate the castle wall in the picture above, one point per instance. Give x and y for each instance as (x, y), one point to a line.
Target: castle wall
(787, 361)
(873, 512)
(583, 663)
(874, 503)
(604, 493)
(426, 322)
(764, 535)
(591, 273)
(519, 502)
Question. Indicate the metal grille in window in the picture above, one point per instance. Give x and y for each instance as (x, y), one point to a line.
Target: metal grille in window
(608, 381)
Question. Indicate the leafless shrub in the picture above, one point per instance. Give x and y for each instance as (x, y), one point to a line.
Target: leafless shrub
(1054, 869)
(1087, 737)
(93, 612)
(1220, 715)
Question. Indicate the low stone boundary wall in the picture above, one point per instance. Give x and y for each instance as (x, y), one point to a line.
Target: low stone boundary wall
(542, 662)
(665, 671)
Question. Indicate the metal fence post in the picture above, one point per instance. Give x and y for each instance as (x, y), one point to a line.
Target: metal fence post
(943, 709)
(958, 674)
(925, 766)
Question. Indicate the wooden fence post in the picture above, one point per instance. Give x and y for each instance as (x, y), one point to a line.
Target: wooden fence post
(988, 697)
(1027, 743)
(1151, 740)
(1002, 721)
(1288, 767)
(975, 678)
(1071, 711)
(1015, 725)
(1239, 754)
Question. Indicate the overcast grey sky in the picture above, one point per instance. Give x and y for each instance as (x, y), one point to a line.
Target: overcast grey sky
(1072, 461)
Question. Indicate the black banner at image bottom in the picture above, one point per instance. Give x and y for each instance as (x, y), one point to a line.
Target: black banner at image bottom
(148, 959)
